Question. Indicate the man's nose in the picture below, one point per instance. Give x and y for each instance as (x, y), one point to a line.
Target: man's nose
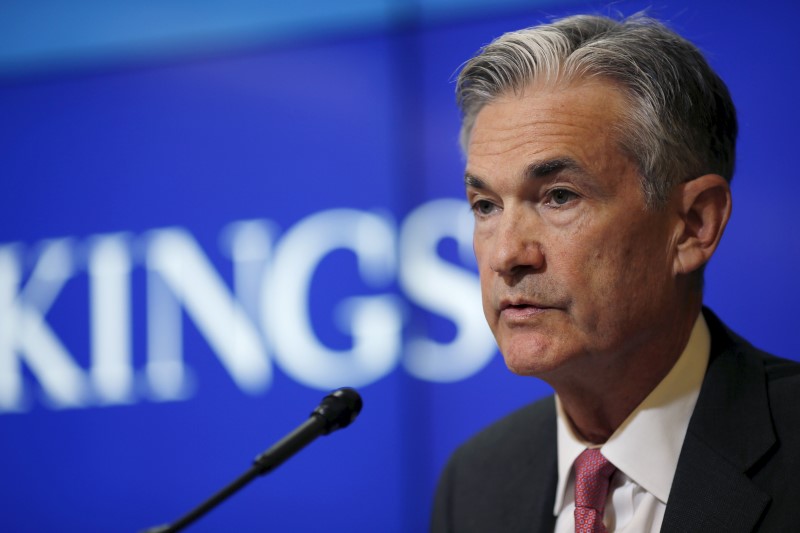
(517, 247)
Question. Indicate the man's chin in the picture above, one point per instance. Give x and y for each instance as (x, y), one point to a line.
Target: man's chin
(530, 364)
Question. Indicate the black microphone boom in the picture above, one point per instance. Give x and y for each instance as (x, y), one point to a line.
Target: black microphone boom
(336, 411)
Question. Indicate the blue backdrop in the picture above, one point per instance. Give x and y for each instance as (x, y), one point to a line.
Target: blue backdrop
(209, 221)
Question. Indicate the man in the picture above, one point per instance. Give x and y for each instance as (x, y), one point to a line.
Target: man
(599, 156)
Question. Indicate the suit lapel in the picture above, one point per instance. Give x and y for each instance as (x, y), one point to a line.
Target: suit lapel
(544, 494)
(729, 432)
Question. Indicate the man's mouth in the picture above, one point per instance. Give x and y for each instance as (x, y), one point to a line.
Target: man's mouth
(519, 304)
(520, 309)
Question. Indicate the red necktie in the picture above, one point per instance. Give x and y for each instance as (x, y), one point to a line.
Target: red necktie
(592, 474)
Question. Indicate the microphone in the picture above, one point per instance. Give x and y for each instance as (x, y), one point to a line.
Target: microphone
(336, 411)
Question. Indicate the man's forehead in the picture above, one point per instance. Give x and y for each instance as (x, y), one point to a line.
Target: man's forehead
(547, 131)
(589, 98)
(534, 120)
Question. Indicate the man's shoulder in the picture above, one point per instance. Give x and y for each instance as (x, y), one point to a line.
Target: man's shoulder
(741, 375)
(527, 429)
(781, 373)
(742, 439)
(504, 477)
(782, 385)
(783, 390)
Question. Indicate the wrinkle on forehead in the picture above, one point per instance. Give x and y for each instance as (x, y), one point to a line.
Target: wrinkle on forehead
(551, 107)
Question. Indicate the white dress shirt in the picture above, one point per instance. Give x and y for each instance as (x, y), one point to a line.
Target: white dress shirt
(645, 448)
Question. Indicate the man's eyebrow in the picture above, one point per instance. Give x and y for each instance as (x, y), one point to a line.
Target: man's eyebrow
(539, 169)
(473, 181)
(542, 169)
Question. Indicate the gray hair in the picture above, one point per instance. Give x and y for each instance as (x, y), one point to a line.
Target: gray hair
(681, 122)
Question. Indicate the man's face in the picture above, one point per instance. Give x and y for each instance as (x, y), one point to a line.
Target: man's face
(575, 269)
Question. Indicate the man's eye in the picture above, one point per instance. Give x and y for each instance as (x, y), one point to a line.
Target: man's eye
(483, 207)
(561, 196)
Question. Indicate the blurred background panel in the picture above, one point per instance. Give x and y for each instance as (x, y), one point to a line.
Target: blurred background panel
(213, 213)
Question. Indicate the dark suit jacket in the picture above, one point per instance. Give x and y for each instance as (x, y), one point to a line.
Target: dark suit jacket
(738, 471)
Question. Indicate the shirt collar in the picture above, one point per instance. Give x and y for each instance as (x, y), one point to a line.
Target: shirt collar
(648, 443)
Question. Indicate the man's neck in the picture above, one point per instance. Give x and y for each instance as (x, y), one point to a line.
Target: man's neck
(598, 398)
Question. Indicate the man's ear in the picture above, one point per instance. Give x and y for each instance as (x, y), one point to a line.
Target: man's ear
(704, 206)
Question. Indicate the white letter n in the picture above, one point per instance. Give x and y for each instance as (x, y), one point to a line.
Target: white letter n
(180, 275)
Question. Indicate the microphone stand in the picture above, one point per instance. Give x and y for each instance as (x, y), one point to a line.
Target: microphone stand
(336, 411)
